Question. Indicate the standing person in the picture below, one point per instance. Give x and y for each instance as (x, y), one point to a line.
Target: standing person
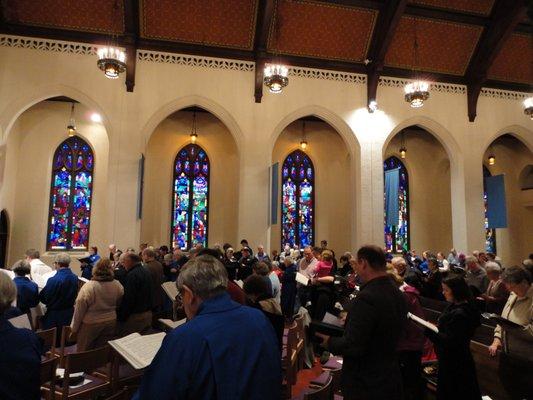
(95, 318)
(322, 292)
(158, 277)
(135, 311)
(457, 372)
(87, 267)
(288, 287)
(27, 291)
(444, 265)
(261, 254)
(38, 269)
(432, 287)
(306, 267)
(374, 324)
(20, 352)
(476, 277)
(246, 264)
(59, 296)
(497, 293)
(225, 350)
(231, 264)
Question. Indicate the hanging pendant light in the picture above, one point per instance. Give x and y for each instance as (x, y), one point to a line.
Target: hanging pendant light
(416, 92)
(194, 134)
(528, 107)
(303, 142)
(71, 127)
(492, 159)
(403, 149)
(111, 59)
(276, 75)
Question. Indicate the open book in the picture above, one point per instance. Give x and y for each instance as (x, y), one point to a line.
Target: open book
(172, 324)
(332, 320)
(22, 321)
(502, 321)
(301, 278)
(138, 350)
(170, 289)
(423, 322)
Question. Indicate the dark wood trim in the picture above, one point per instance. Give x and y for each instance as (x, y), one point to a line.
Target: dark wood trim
(265, 15)
(505, 16)
(131, 37)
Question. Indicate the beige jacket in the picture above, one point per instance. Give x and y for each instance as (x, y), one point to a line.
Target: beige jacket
(97, 302)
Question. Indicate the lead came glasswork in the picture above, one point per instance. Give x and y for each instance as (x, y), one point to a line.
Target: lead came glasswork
(190, 200)
(70, 196)
(397, 237)
(297, 200)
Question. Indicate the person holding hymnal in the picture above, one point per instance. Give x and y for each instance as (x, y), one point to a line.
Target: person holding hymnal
(456, 326)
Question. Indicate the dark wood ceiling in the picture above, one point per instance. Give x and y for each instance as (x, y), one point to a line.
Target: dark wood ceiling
(474, 42)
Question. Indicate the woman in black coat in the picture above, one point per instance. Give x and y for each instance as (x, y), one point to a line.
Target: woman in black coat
(288, 287)
(457, 372)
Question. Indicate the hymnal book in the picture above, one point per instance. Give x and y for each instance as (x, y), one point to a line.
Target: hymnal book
(22, 321)
(138, 350)
(423, 322)
(172, 324)
(332, 320)
(502, 321)
(170, 289)
(85, 260)
(301, 278)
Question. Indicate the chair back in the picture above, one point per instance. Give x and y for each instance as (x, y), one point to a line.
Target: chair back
(87, 361)
(64, 345)
(48, 373)
(323, 393)
(48, 337)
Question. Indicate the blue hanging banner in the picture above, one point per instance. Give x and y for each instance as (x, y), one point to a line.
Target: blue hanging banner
(392, 184)
(274, 189)
(496, 202)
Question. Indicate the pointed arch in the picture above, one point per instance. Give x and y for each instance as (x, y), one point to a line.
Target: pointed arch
(71, 186)
(297, 200)
(397, 238)
(490, 233)
(190, 197)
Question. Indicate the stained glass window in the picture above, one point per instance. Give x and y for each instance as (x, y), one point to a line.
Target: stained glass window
(70, 196)
(490, 234)
(297, 200)
(397, 237)
(190, 197)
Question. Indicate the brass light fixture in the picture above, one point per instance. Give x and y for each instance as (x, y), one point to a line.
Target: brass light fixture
(71, 127)
(417, 91)
(194, 133)
(403, 149)
(276, 75)
(303, 142)
(492, 157)
(111, 59)
(528, 107)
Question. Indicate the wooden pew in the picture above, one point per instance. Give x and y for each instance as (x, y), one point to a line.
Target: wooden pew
(487, 368)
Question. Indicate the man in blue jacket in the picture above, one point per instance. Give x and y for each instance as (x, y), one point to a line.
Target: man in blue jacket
(27, 291)
(225, 351)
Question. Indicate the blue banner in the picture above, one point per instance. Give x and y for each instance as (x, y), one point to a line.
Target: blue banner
(274, 195)
(392, 184)
(496, 202)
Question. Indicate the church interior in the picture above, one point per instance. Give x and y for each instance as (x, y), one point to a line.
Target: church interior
(282, 129)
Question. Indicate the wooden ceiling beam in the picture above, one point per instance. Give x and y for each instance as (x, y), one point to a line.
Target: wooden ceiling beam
(386, 24)
(131, 38)
(265, 14)
(505, 16)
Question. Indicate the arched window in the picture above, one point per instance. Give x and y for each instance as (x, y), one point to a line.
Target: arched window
(490, 234)
(297, 200)
(397, 237)
(70, 196)
(190, 199)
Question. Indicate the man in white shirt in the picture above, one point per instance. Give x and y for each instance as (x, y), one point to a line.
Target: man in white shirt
(306, 267)
(38, 268)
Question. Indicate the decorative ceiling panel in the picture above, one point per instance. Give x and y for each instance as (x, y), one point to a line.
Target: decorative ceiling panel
(444, 47)
(514, 62)
(480, 7)
(103, 16)
(320, 30)
(226, 23)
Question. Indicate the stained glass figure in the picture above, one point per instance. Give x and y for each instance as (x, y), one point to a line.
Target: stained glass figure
(490, 234)
(297, 200)
(190, 199)
(70, 196)
(397, 237)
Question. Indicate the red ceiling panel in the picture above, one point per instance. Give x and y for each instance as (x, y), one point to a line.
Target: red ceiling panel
(321, 30)
(514, 61)
(226, 23)
(481, 7)
(444, 47)
(90, 16)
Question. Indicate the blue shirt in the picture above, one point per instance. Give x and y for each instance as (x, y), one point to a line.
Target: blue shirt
(27, 293)
(20, 363)
(60, 290)
(226, 352)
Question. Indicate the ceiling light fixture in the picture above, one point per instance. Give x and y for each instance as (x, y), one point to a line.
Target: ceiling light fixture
(373, 106)
(417, 91)
(492, 159)
(403, 149)
(303, 142)
(528, 107)
(95, 117)
(276, 75)
(194, 133)
(111, 59)
(71, 127)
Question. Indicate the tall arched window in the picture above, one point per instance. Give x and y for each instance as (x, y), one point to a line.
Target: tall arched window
(397, 237)
(490, 234)
(70, 196)
(297, 200)
(190, 199)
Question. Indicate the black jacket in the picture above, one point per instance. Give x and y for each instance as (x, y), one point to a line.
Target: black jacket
(138, 293)
(376, 318)
(457, 373)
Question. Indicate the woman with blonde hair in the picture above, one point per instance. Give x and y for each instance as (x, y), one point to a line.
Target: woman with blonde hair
(95, 317)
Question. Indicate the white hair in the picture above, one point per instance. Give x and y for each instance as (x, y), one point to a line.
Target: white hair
(8, 292)
(62, 259)
(491, 266)
(205, 276)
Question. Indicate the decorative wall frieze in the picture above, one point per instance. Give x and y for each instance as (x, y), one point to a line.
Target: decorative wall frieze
(503, 94)
(440, 87)
(327, 75)
(56, 46)
(195, 61)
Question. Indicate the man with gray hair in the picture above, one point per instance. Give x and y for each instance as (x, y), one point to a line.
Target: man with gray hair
(476, 277)
(59, 295)
(224, 351)
(38, 268)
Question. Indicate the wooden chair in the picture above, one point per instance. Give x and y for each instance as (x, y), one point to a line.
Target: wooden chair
(48, 375)
(86, 362)
(290, 358)
(48, 337)
(487, 369)
(124, 394)
(65, 347)
(300, 340)
(122, 373)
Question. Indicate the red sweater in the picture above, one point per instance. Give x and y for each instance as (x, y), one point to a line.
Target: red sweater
(323, 268)
(413, 337)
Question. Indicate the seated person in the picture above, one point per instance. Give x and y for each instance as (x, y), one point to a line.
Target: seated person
(20, 352)
(27, 290)
(497, 293)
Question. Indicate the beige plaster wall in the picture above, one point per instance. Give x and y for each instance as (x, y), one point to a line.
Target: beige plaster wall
(428, 167)
(167, 139)
(515, 242)
(333, 197)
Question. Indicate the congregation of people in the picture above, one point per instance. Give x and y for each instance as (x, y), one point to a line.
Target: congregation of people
(238, 303)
